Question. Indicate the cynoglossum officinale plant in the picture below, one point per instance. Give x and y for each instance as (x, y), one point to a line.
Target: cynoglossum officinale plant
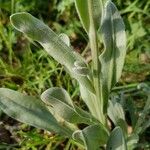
(54, 110)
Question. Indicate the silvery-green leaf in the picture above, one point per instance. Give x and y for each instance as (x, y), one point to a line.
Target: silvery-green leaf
(82, 9)
(29, 110)
(115, 111)
(79, 64)
(92, 136)
(113, 56)
(38, 31)
(116, 114)
(81, 68)
(65, 38)
(116, 140)
(83, 71)
(83, 12)
(62, 105)
(89, 99)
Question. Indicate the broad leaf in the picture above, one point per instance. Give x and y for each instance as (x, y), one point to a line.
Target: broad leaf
(92, 136)
(62, 105)
(29, 110)
(53, 44)
(113, 56)
(116, 140)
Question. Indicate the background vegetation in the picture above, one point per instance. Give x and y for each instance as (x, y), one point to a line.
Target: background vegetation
(25, 67)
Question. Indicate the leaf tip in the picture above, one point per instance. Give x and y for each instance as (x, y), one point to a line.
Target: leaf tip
(18, 19)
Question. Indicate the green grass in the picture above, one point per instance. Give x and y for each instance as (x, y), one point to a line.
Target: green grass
(27, 68)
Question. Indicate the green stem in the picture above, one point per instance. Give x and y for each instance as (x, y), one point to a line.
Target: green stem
(134, 85)
(96, 65)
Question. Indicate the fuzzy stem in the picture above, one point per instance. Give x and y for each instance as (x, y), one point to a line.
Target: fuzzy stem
(96, 65)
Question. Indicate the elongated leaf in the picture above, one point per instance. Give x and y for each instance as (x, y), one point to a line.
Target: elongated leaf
(92, 136)
(29, 110)
(81, 68)
(116, 140)
(89, 99)
(113, 56)
(82, 9)
(62, 105)
(115, 111)
(83, 12)
(116, 114)
(53, 44)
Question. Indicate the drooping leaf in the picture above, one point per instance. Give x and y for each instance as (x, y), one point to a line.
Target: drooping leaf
(116, 140)
(62, 105)
(113, 56)
(92, 136)
(83, 12)
(29, 110)
(53, 44)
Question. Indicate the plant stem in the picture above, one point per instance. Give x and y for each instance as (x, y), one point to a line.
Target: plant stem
(134, 85)
(96, 65)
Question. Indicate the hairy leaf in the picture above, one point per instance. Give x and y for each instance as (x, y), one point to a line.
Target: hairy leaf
(83, 12)
(82, 9)
(115, 111)
(92, 136)
(113, 56)
(53, 44)
(89, 99)
(80, 68)
(116, 140)
(62, 105)
(116, 114)
(29, 110)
